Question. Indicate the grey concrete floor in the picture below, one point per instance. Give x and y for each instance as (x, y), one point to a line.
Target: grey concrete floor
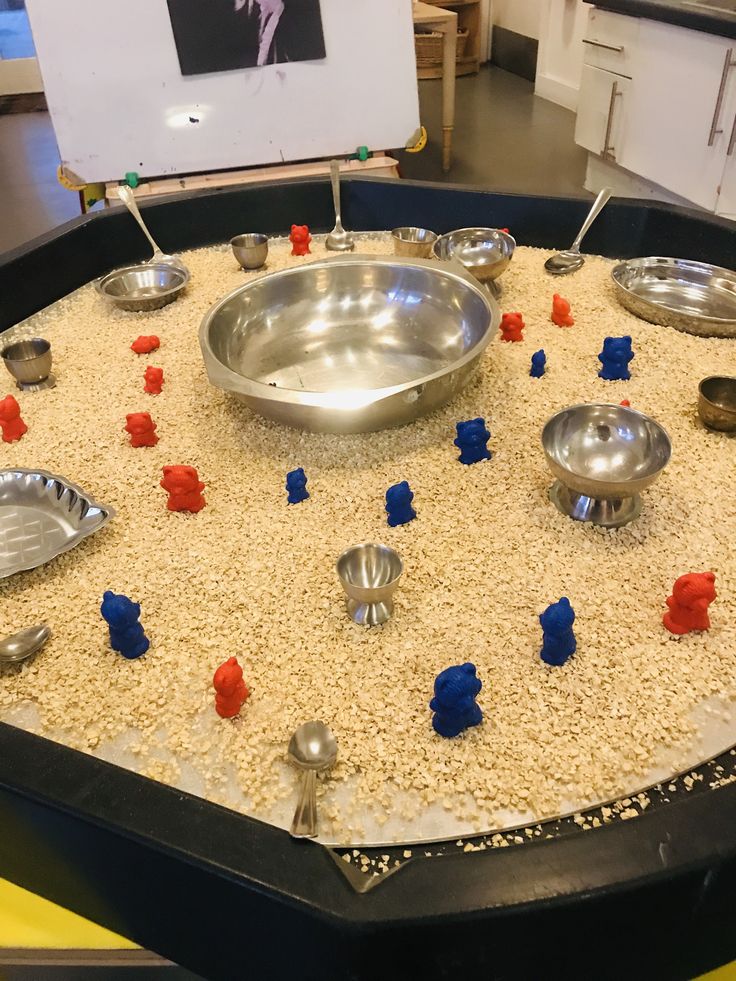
(505, 138)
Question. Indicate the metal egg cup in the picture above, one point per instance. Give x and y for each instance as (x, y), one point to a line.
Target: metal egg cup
(250, 250)
(717, 403)
(416, 243)
(369, 574)
(603, 456)
(29, 362)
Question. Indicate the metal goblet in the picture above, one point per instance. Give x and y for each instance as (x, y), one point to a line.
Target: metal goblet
(369, 574)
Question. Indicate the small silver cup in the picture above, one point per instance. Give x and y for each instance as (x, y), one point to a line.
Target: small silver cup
(29, 362)
(369, 574)
(416, 243)
(251, 250)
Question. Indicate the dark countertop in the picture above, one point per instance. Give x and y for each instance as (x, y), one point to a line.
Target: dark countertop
(684, 14)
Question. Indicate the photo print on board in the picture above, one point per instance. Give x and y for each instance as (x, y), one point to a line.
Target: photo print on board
(222, 35)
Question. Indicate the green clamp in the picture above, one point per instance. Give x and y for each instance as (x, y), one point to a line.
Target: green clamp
(131, 179)
(362, 154)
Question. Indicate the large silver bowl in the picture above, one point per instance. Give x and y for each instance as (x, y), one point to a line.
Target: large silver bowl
(349, 344)
(603, 456)
(694, 297)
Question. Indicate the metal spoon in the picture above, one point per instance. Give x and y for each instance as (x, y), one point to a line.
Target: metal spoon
(126, 195)
(570, 260)
(19, 646)
(311, 748)
(338, 240)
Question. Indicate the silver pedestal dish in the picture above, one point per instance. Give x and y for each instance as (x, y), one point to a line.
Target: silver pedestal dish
(694, 297)
(484, 252)
(29, 362)
(41, 516)
(143, 287)
(349, 344)
(370, 574)
(603, 456)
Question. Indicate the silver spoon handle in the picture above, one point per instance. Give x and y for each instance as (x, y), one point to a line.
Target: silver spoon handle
(128, 198)
(335, 178)
(598, 205)
(304, 824)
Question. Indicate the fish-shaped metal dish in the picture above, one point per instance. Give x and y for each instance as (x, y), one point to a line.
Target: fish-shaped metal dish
(41, 516)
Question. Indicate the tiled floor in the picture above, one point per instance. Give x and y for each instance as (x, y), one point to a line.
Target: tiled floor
(505, 138)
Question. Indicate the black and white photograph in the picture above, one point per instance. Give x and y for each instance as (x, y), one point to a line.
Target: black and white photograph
(223, 35)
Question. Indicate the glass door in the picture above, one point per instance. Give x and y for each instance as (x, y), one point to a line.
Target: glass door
(19, 72)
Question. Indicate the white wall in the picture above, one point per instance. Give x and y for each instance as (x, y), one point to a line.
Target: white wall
(522, 16)
(560, 59)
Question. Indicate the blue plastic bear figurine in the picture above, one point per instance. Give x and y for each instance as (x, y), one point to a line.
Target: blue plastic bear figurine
(454, 705)
(398, 504)
(539, 360)
(472, 437)
(558, 640)
(126, 633)
(296, 485)
(615, 358)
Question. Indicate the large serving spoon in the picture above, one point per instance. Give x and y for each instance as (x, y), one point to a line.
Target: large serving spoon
(311, 748)
(18, 647)
(126, 195)
(338, 240)
(570, 260)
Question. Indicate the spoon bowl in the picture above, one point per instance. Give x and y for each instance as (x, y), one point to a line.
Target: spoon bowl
(570, 259)
(312, 747)
(22, 645)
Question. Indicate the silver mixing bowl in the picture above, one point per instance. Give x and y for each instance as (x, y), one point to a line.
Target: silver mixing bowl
(485, 252)
(142, 287)
(602, 457)
(349, 344)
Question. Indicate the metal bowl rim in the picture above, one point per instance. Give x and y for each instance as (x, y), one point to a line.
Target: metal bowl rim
(351, 548)
(258, 245)
(673, 263)
(716, 405)
(25, 340)
(183, 273)
(587, 405)
(457, 231)
(324, 399)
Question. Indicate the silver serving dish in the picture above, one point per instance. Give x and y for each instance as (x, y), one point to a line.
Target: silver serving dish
(603, 456)
(349, 344)
(41, 516)
(143, 287)
(485, 252)
(694, 297)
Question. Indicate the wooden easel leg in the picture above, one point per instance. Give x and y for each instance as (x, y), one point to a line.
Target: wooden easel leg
(447, 147)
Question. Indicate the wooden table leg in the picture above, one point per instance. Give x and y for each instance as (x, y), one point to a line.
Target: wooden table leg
(449, 53)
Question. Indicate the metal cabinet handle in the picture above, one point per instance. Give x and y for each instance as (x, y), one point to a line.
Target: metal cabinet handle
(728, 64)
(607, 153)
(732, 141)
(600, 44)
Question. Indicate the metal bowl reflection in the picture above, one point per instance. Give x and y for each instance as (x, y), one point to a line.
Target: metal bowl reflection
(143, 287)
(485, 252)
(349, 344)
(603, 456)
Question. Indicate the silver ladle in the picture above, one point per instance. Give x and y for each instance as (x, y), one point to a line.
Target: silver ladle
(18, 647)
(338, 240)
(311, 748)
(570, 260)
(126, 195)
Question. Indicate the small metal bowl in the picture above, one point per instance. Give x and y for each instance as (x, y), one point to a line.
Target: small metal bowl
(413, 242)
(602, 457)
(29, 362)
(369, 574)
(717, 403)
(250, 250)
(485, 252)
(143, 287)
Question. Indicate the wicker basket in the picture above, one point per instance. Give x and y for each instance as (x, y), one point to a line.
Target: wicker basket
(429, 47)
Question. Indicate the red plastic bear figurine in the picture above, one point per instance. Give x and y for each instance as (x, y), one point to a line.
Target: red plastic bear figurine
(154, 380)
(300, 239)
(688, 604)
(142, 429)
(145, 344)
(11, 423)
(626, 403)
(185, 489)
(231, 689)
(512, 325)
(561, 312)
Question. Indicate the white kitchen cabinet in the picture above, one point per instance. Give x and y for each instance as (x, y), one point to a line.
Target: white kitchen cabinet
(672, 120)
(602, 119)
